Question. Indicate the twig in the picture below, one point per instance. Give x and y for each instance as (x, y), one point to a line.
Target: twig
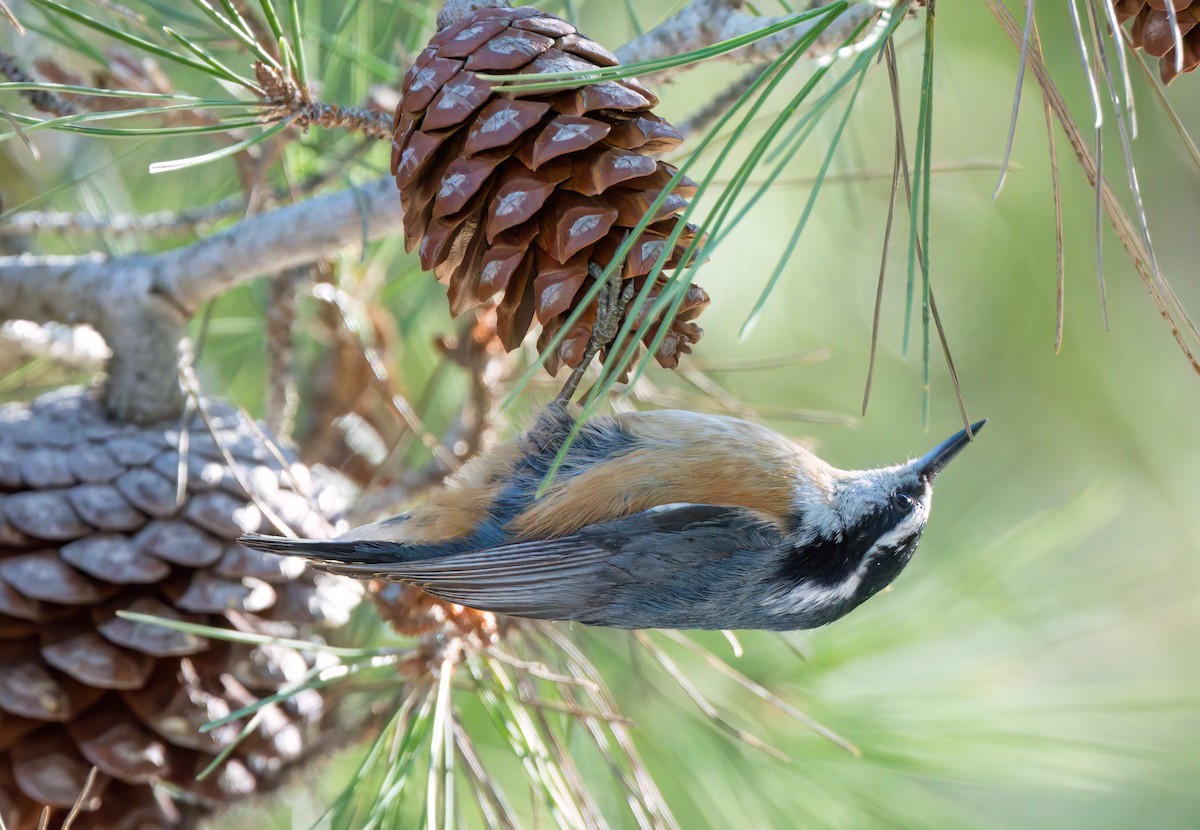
(610, 305)
(40, 99)
(372, 123)
(287, 99)
(705, 22)
(159, 223)
(477, 350)
(703, 118)
(344, 305)
(185, 277)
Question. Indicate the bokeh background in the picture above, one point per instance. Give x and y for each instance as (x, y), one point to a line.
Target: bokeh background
(1036, 665)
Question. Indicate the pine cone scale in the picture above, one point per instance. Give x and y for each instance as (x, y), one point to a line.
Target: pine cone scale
(458, 100)
(519, 198)
(87, 657)
(48, 769)
(125, 750)
(44, 577)
(557, 284)
(1154, 31)
(502, 122)
(508, 51)
(588, 49)
(114, 558)
(28, 689)
(464, 40)
(572, 224)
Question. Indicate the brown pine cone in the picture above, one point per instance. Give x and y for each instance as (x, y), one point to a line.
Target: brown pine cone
(1152, 31)
(514, 194)
(90, 524)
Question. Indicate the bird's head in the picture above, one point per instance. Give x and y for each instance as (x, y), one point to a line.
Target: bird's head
(854, 542)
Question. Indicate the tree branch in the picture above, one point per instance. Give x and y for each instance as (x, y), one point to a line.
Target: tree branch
(705, 22)
(281, 239)
(161, 223)
(142, 302)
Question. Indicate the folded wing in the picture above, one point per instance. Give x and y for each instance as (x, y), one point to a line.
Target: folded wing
(600, 575)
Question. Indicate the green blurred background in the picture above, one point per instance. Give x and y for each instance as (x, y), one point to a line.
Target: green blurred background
(1036, 665)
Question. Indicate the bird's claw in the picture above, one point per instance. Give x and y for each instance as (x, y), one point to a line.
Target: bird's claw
(611, 303)
(610, 306)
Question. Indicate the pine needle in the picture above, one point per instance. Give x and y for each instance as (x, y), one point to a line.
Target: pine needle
(900, 160)
(710, 711)
(1182, 328)
(1016, 107)
(761, 692)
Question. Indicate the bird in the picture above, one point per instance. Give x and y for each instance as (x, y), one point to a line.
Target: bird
(664, 519)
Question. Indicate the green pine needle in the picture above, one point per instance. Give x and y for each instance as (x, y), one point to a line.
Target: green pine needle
(790, 248)
(224, 152)
(50, 6)
(272, 18)
(298, 44)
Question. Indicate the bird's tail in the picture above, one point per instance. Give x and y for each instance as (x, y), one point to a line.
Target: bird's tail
(357, 558)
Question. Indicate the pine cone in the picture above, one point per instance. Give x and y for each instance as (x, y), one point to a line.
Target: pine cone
(1152, 31)
(514, 194)
(90, 524)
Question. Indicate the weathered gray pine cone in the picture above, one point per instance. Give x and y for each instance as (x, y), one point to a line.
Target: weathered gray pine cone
(90, 523)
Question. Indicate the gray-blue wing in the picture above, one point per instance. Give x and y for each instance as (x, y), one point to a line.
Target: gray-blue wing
(653, 569)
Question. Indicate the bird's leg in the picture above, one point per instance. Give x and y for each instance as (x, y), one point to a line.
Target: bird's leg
(610, 309)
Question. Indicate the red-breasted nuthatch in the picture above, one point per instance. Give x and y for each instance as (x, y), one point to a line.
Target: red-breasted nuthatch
(654, 520)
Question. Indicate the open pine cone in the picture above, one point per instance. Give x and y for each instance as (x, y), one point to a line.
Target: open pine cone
(90, 524)
(1152, 31)
(514, 194)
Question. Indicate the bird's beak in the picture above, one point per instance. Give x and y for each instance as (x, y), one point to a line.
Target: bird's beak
(932, 463)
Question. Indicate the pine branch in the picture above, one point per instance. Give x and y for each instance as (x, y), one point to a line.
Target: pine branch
(161, 223)
(141, 302)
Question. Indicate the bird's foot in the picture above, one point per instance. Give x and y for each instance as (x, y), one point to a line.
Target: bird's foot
(611, 303)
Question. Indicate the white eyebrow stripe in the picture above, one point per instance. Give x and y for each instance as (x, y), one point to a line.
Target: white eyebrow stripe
(911, 524)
